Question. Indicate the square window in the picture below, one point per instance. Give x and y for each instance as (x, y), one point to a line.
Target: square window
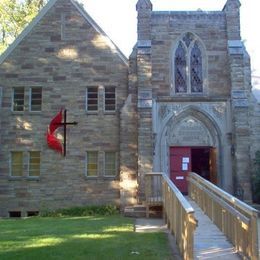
(110, 164)
(18, 99)
(92, 99)
(92, 164)
(36, 99)
(34, 164)
(16, 164)
(110, 99)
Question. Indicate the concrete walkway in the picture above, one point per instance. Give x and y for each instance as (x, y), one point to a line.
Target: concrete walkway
(150, 225)
(209, 241)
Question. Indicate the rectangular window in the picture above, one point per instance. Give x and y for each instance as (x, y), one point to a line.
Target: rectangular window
(92, 164)
(36, 99)
(18, 99)
(110, 164)
(110, 99)
(92, 99)
(16, 164)
(34, 164)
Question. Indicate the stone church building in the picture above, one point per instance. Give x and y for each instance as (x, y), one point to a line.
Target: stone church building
(181, 102)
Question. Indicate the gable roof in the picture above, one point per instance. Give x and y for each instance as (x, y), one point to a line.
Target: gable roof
(42, 13)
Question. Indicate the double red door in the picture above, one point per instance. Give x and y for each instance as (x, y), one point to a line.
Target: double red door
(180, 165)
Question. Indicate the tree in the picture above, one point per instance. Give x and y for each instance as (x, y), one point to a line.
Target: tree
(14, 16)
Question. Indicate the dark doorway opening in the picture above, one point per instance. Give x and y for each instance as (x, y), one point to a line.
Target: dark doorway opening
(14, 214)
(200, 162)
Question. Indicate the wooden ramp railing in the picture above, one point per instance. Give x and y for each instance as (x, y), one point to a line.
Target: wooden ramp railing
(178, 213)
(237, 220)
(153, 191)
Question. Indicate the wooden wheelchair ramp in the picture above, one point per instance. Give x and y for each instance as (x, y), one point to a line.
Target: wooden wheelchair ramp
(209, 241)
(209, 224)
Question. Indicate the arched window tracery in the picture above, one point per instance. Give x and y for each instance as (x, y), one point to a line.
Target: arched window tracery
(188, 66)
(180, 70)
(196, 80)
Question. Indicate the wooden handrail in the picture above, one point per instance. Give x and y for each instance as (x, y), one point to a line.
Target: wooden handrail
(236, 219)
(178, 213)
(179, 216)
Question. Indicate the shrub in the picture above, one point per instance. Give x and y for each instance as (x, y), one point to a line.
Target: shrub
(256, 178)
(104, 210)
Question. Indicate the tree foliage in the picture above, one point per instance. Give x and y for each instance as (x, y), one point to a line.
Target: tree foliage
(256, 178)
(14, 16)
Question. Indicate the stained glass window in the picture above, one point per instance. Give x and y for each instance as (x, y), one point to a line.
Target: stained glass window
(180, 70)
(196, 79)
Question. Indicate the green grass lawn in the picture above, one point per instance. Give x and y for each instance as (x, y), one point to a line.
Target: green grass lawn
(79, 238)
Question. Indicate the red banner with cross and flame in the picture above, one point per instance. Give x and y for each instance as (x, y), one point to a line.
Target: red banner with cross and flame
(52, 140)
(60, 120)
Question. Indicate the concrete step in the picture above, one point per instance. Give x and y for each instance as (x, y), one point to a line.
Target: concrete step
(139, 211)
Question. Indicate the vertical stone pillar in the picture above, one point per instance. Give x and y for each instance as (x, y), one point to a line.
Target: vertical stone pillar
(240, 102)
(128, 141)
(144, 75)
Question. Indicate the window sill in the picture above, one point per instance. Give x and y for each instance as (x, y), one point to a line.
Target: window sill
(100, 177)
(91, 177)
(92, 112)
(32, 178)
(18, 112)
(15, 178)
(110, 112)
(20, 178)
(35, 112)
(110, 178)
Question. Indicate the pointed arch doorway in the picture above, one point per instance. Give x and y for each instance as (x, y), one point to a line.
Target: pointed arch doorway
(190, 141)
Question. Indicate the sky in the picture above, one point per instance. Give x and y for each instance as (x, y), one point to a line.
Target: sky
(118, 19)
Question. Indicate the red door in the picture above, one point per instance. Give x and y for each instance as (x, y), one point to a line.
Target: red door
(180, 165)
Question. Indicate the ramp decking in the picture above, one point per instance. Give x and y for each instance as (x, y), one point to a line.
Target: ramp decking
(209, 241)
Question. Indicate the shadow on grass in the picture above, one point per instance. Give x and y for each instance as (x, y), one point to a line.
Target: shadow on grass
(79, 238)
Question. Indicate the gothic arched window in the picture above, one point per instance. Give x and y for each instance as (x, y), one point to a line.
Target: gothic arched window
(196, 80)
(180, 70)
(188, 66)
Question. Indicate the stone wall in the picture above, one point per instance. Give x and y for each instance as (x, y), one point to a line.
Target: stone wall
(210, 28)
(226, 76)
(64, 53)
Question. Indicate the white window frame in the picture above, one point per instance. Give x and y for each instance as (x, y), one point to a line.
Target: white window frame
(86, 164)
(13, 90)
(87, 91)
(30, 100)
(29, 164)
(11, 164)
(104, 98)
(116, 165)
